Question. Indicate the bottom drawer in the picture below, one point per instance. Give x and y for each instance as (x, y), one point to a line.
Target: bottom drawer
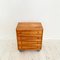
(29, 45)
(29, 48)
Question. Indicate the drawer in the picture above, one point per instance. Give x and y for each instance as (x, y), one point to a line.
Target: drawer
(27, 35)
(29, 43)
(23, 33)
(34, 40)
(30, 39)
(30, 47)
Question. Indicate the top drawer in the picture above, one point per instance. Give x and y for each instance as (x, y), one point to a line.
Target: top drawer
(29, 33)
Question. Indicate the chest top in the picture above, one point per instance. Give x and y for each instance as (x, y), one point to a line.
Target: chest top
(29, 26)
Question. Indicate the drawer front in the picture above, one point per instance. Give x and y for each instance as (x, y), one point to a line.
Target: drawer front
(29, 39)
(29, 43)
(29, 33)
(36, 40)
(28, 47)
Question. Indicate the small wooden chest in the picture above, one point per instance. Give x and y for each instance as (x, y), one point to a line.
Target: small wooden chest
(29, 35)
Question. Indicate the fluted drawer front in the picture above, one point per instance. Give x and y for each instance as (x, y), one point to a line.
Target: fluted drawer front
(29, 43)
(37, 40)
(32, 45)
(25, 47)
(29, 37)
(30, 48)
(29, 33)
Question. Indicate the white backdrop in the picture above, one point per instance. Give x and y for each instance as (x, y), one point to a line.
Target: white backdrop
(45, 11)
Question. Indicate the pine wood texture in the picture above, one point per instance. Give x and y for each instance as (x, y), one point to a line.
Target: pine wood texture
(29, 35)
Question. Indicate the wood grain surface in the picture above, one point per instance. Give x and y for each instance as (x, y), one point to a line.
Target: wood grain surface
(29, 35)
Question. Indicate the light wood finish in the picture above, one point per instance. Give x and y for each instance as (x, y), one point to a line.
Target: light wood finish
(29, 35)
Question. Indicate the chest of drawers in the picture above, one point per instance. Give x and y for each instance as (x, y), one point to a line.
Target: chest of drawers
(29, 35)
